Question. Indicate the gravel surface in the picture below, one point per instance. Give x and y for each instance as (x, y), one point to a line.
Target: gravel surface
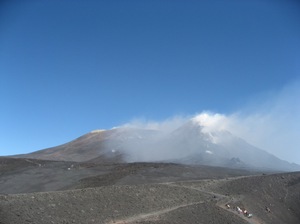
(142, 193)
(94, 205)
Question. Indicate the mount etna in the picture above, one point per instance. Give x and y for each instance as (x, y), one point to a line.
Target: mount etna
(188, 144)
(137, 175)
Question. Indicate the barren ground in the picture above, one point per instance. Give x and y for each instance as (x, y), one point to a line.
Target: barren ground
(34, 191)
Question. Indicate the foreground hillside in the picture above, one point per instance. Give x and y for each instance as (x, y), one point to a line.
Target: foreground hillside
(66, 192)
(170, 202)
(32, 175)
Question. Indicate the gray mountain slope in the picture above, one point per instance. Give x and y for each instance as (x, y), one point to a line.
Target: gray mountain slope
(188, 144)
(221, 148)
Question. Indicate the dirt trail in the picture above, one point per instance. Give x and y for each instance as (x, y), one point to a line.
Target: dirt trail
(151, 214)
(35, 163)
(216, 195)
(222, 200)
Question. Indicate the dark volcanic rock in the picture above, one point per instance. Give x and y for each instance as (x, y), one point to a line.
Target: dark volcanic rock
(143, 193)
(31, 175)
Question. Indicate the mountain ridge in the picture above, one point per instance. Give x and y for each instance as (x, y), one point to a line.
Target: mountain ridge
(187, 144)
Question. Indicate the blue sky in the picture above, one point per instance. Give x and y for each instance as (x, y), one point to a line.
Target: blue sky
(69, 67)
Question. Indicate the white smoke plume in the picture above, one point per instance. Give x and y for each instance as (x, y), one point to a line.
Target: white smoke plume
(165, 126)
(271, 123)
(211, 121)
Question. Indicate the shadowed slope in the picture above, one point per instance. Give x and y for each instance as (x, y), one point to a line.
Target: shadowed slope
(172, 202)
(32, 175)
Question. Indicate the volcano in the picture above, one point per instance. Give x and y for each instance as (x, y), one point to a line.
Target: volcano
(187, 144)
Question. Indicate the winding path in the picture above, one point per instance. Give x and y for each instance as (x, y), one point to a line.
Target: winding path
(151, 214)
(222, 200)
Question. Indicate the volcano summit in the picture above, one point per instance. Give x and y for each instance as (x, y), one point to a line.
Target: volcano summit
(191, 143)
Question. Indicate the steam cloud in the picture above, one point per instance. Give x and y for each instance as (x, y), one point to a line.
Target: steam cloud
(271, 123)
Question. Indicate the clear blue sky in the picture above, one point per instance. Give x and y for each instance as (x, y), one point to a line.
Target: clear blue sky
(68, 67)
